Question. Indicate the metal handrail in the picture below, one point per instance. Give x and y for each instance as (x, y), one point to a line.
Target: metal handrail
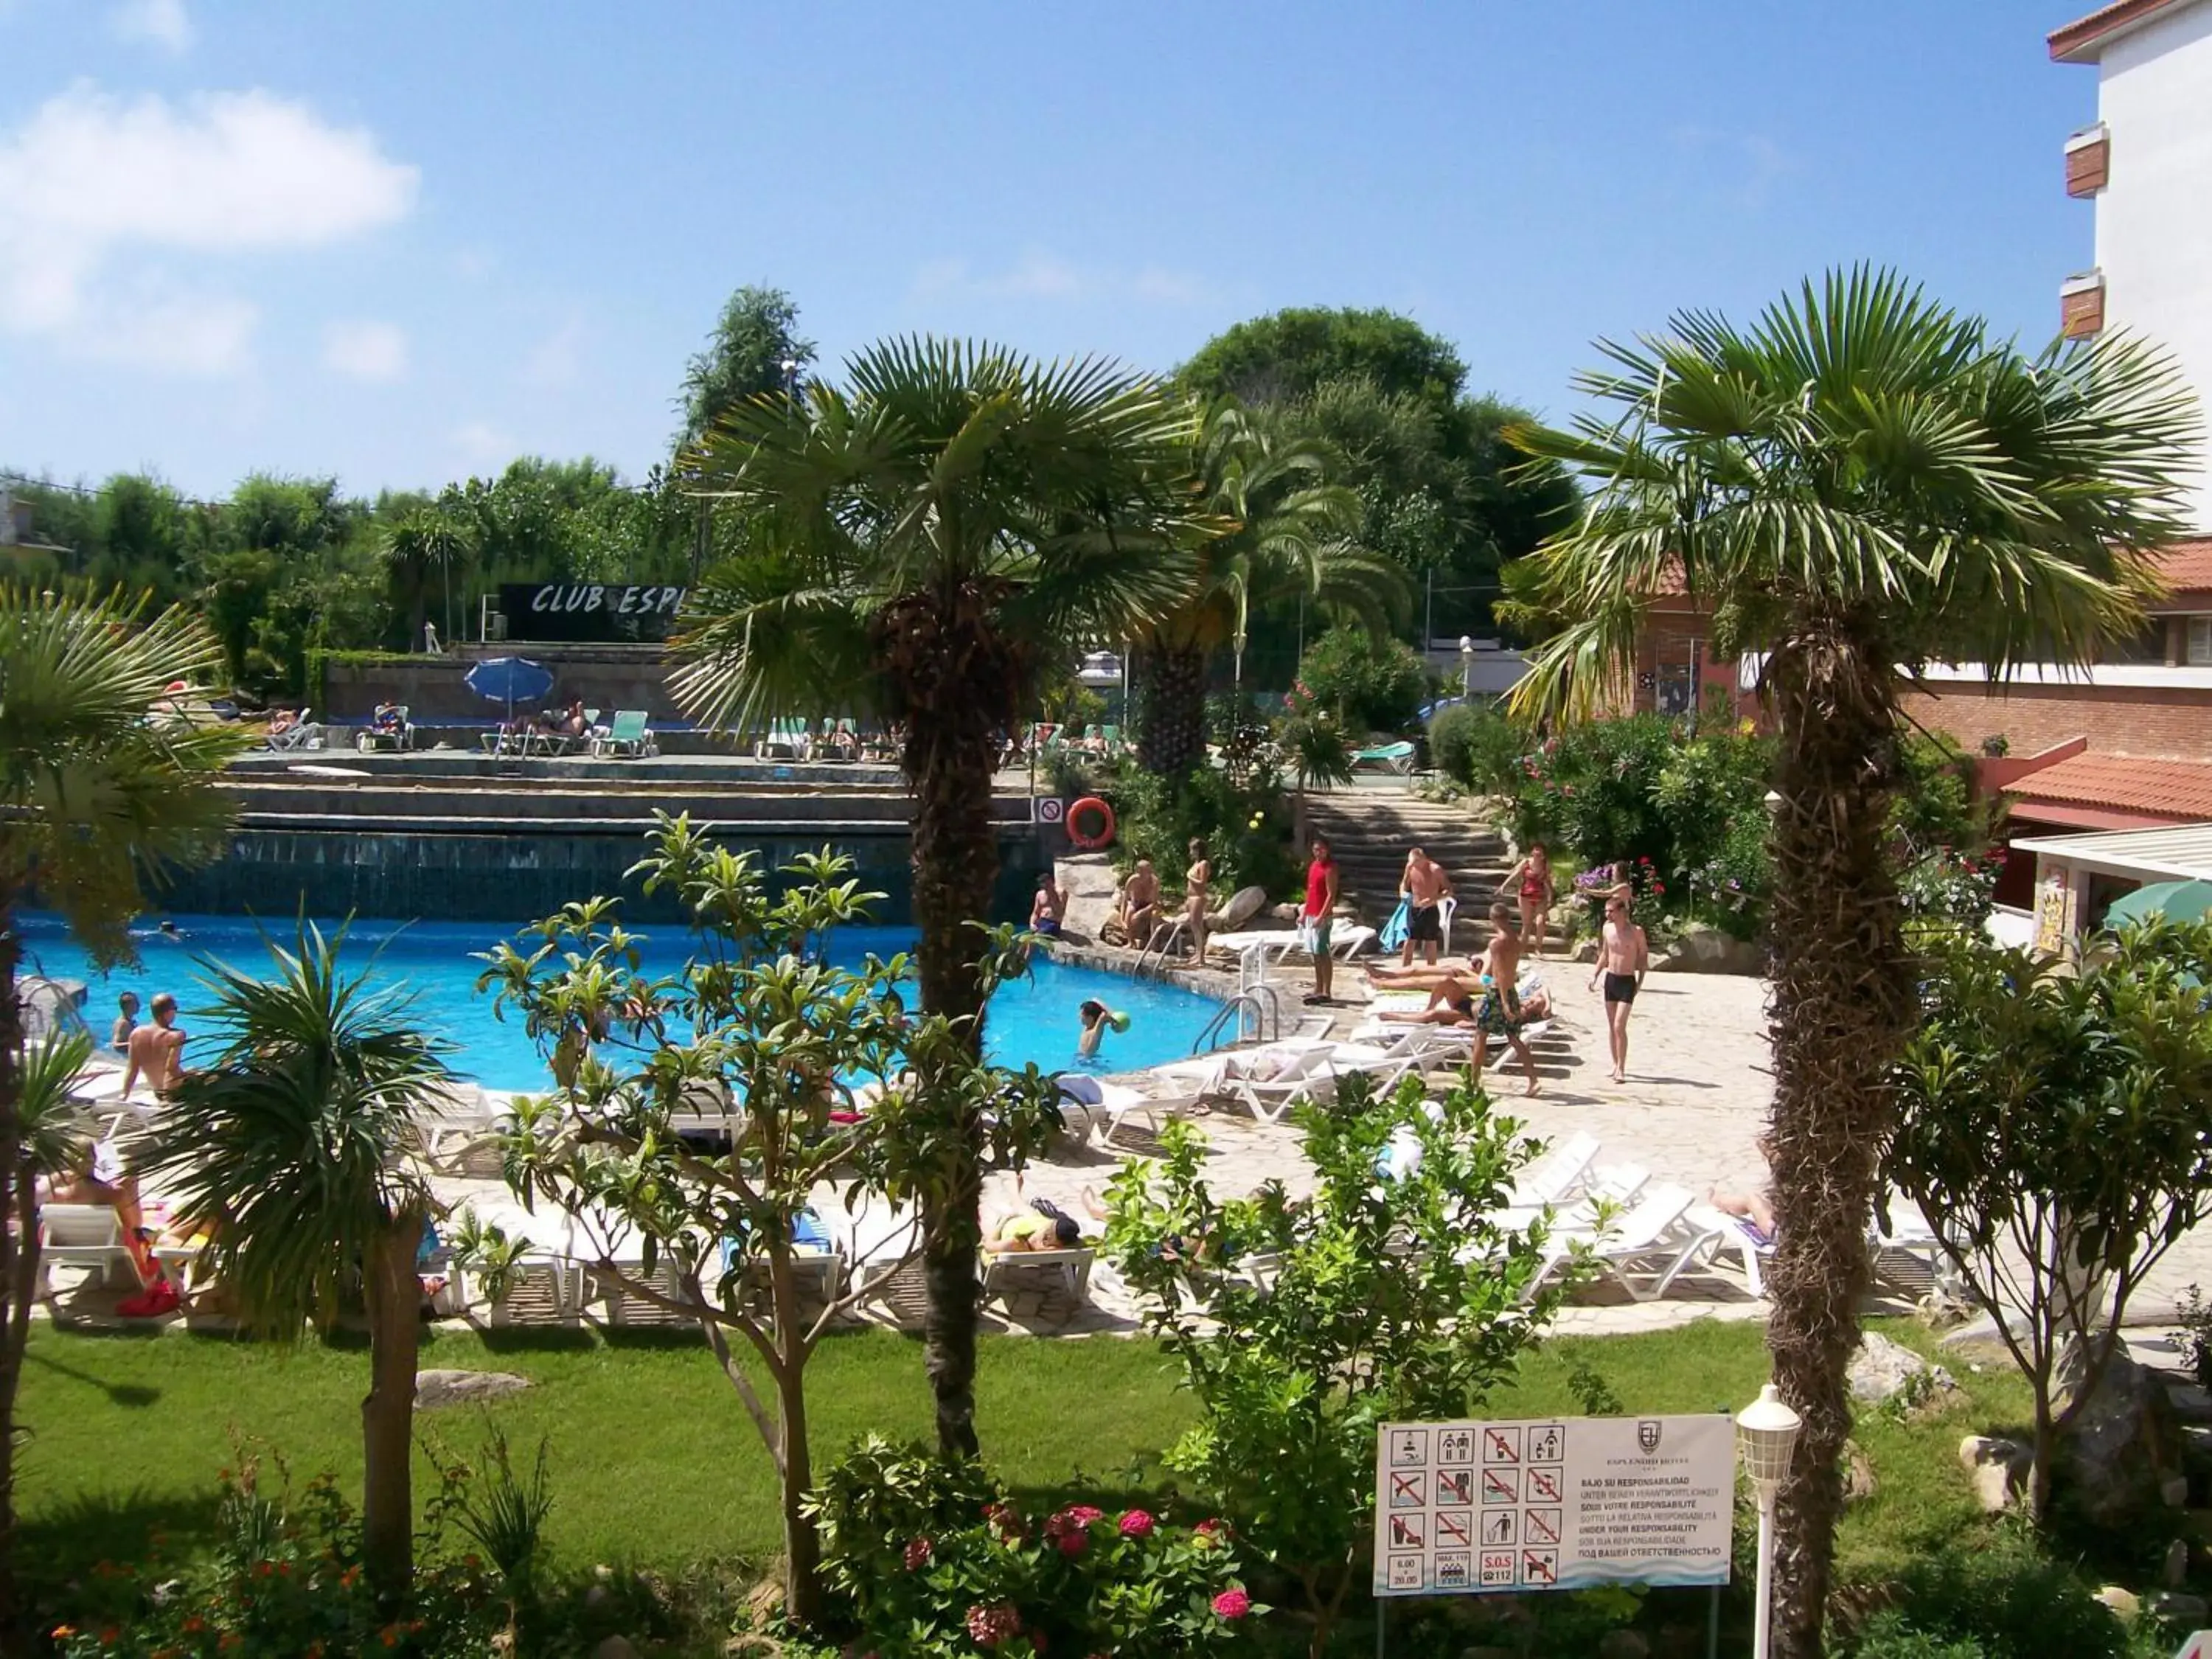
(1241, 1005)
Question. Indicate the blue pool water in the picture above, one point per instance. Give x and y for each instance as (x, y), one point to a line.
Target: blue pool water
(1032, 1020)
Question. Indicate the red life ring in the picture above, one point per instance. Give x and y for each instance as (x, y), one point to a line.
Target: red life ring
(1091, 824)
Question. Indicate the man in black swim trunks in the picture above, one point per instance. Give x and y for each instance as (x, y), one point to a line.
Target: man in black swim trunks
(1624, 957)
(1424, 887)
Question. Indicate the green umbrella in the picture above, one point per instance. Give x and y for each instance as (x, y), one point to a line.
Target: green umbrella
(2175, 901)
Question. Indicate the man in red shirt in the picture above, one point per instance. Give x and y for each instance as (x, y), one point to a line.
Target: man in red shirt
(1319, 912)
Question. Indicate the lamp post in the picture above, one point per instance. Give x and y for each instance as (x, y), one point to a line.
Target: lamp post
(1766, 1433)
(1466, 667)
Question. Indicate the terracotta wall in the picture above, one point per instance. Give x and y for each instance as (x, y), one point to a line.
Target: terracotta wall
(2173, 724)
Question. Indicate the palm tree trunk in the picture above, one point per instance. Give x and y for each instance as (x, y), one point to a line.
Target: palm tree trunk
(952, 732)
(1171, 739)
(19, 1258)
(1841, 1008)
(387, 1415)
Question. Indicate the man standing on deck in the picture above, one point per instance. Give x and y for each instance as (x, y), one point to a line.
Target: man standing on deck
(1624, 957)
(1424, 888)
(1319, 912)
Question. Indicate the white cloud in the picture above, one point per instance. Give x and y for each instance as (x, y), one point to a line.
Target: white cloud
(1759, 161)
(97, 190)
(557, 359)
(365, 351)
(479, 446)
(161, 23)
(1040, 274)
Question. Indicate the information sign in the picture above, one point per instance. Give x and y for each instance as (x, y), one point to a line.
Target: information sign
(587, 612)
(1552, 1504)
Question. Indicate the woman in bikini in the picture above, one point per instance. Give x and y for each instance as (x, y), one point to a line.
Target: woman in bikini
(1532, 878)
(1195, 881)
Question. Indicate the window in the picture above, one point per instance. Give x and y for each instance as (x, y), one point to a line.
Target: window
(2200, 641)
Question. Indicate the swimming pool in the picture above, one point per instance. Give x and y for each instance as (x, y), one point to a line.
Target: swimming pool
(1031, 1019)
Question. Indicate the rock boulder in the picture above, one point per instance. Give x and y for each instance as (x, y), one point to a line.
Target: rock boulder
(435, 1388)
(1882, 1368)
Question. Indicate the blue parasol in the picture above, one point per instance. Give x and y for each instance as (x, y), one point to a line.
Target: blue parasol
(506, 679)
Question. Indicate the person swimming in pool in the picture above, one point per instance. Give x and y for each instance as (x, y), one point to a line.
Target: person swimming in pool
(1095, 1016)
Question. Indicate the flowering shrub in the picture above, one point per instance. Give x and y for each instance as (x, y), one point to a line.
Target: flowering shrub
(285, 1582)
(930, 1559)
(1953, 886)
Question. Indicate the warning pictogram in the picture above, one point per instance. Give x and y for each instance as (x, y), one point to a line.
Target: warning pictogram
(1406, 1531)
(1501, 1485)
(1501, 1445)
(1544, 1487)
(1539, 1569)
(1455, 1529)
(1452, 1570)
(1544, 1526)
(1497, 1526)
(1547, 1443)
(1406, 1490)
(1454, 1486)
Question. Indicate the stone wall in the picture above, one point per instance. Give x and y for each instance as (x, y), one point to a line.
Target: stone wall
(606, 676)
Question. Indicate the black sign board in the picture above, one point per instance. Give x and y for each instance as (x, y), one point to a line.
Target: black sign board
(589, 611)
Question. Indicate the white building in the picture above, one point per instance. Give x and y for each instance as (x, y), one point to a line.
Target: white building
(2146, 164)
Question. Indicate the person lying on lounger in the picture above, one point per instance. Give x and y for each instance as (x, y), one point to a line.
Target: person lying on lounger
(1492, 1005)
(1043, 1226)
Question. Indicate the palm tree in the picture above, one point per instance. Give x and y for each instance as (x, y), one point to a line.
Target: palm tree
(93, 797)
(927, 538)
(286, 1151)
(425, 544)
(1861, 483)
(1276, 528)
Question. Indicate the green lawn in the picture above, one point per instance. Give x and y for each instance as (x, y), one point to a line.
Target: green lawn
(652, 1457)
(653, 1460)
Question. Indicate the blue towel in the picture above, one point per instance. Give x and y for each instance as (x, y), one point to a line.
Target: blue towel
(1393, 931)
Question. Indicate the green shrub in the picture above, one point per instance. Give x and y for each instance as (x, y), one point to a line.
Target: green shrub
(286, 1581)
(1999, 1599)
(1477, 747)
(1246, 829)
(930, 1557)
(1369, 684)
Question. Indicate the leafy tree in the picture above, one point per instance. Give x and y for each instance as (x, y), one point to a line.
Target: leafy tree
(745, 357)
(2055, 1129)
(93, 798)
(1368, 684)
(1387, 1300)
(927, 537)
(1860, 483)
(1442, 493)
(1292, 353)
(420, 552)
(768, 1023)
(1276, 527)
(287, 1153)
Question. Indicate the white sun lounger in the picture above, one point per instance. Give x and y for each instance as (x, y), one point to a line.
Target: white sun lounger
(1733, 1233)
(1645, 1251)
(84, 1235)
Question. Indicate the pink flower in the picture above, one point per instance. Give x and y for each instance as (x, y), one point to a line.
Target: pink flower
(1005, 1520)
(1074, 1542)
(1136, 1524)
(1232, 1604)
(1210, 1534)
(918, 1552)
(1083, 1514)
(994, 1626)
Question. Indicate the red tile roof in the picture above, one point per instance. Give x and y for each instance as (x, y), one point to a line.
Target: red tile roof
(2180, 790)
(2074, 43)
(2187, 565)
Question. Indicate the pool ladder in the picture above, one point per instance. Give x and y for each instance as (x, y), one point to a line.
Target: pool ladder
(1258, 1011)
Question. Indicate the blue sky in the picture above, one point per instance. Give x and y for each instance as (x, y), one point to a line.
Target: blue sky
(403, 240)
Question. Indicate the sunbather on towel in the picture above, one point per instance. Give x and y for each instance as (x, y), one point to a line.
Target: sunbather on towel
(1751, 1206)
